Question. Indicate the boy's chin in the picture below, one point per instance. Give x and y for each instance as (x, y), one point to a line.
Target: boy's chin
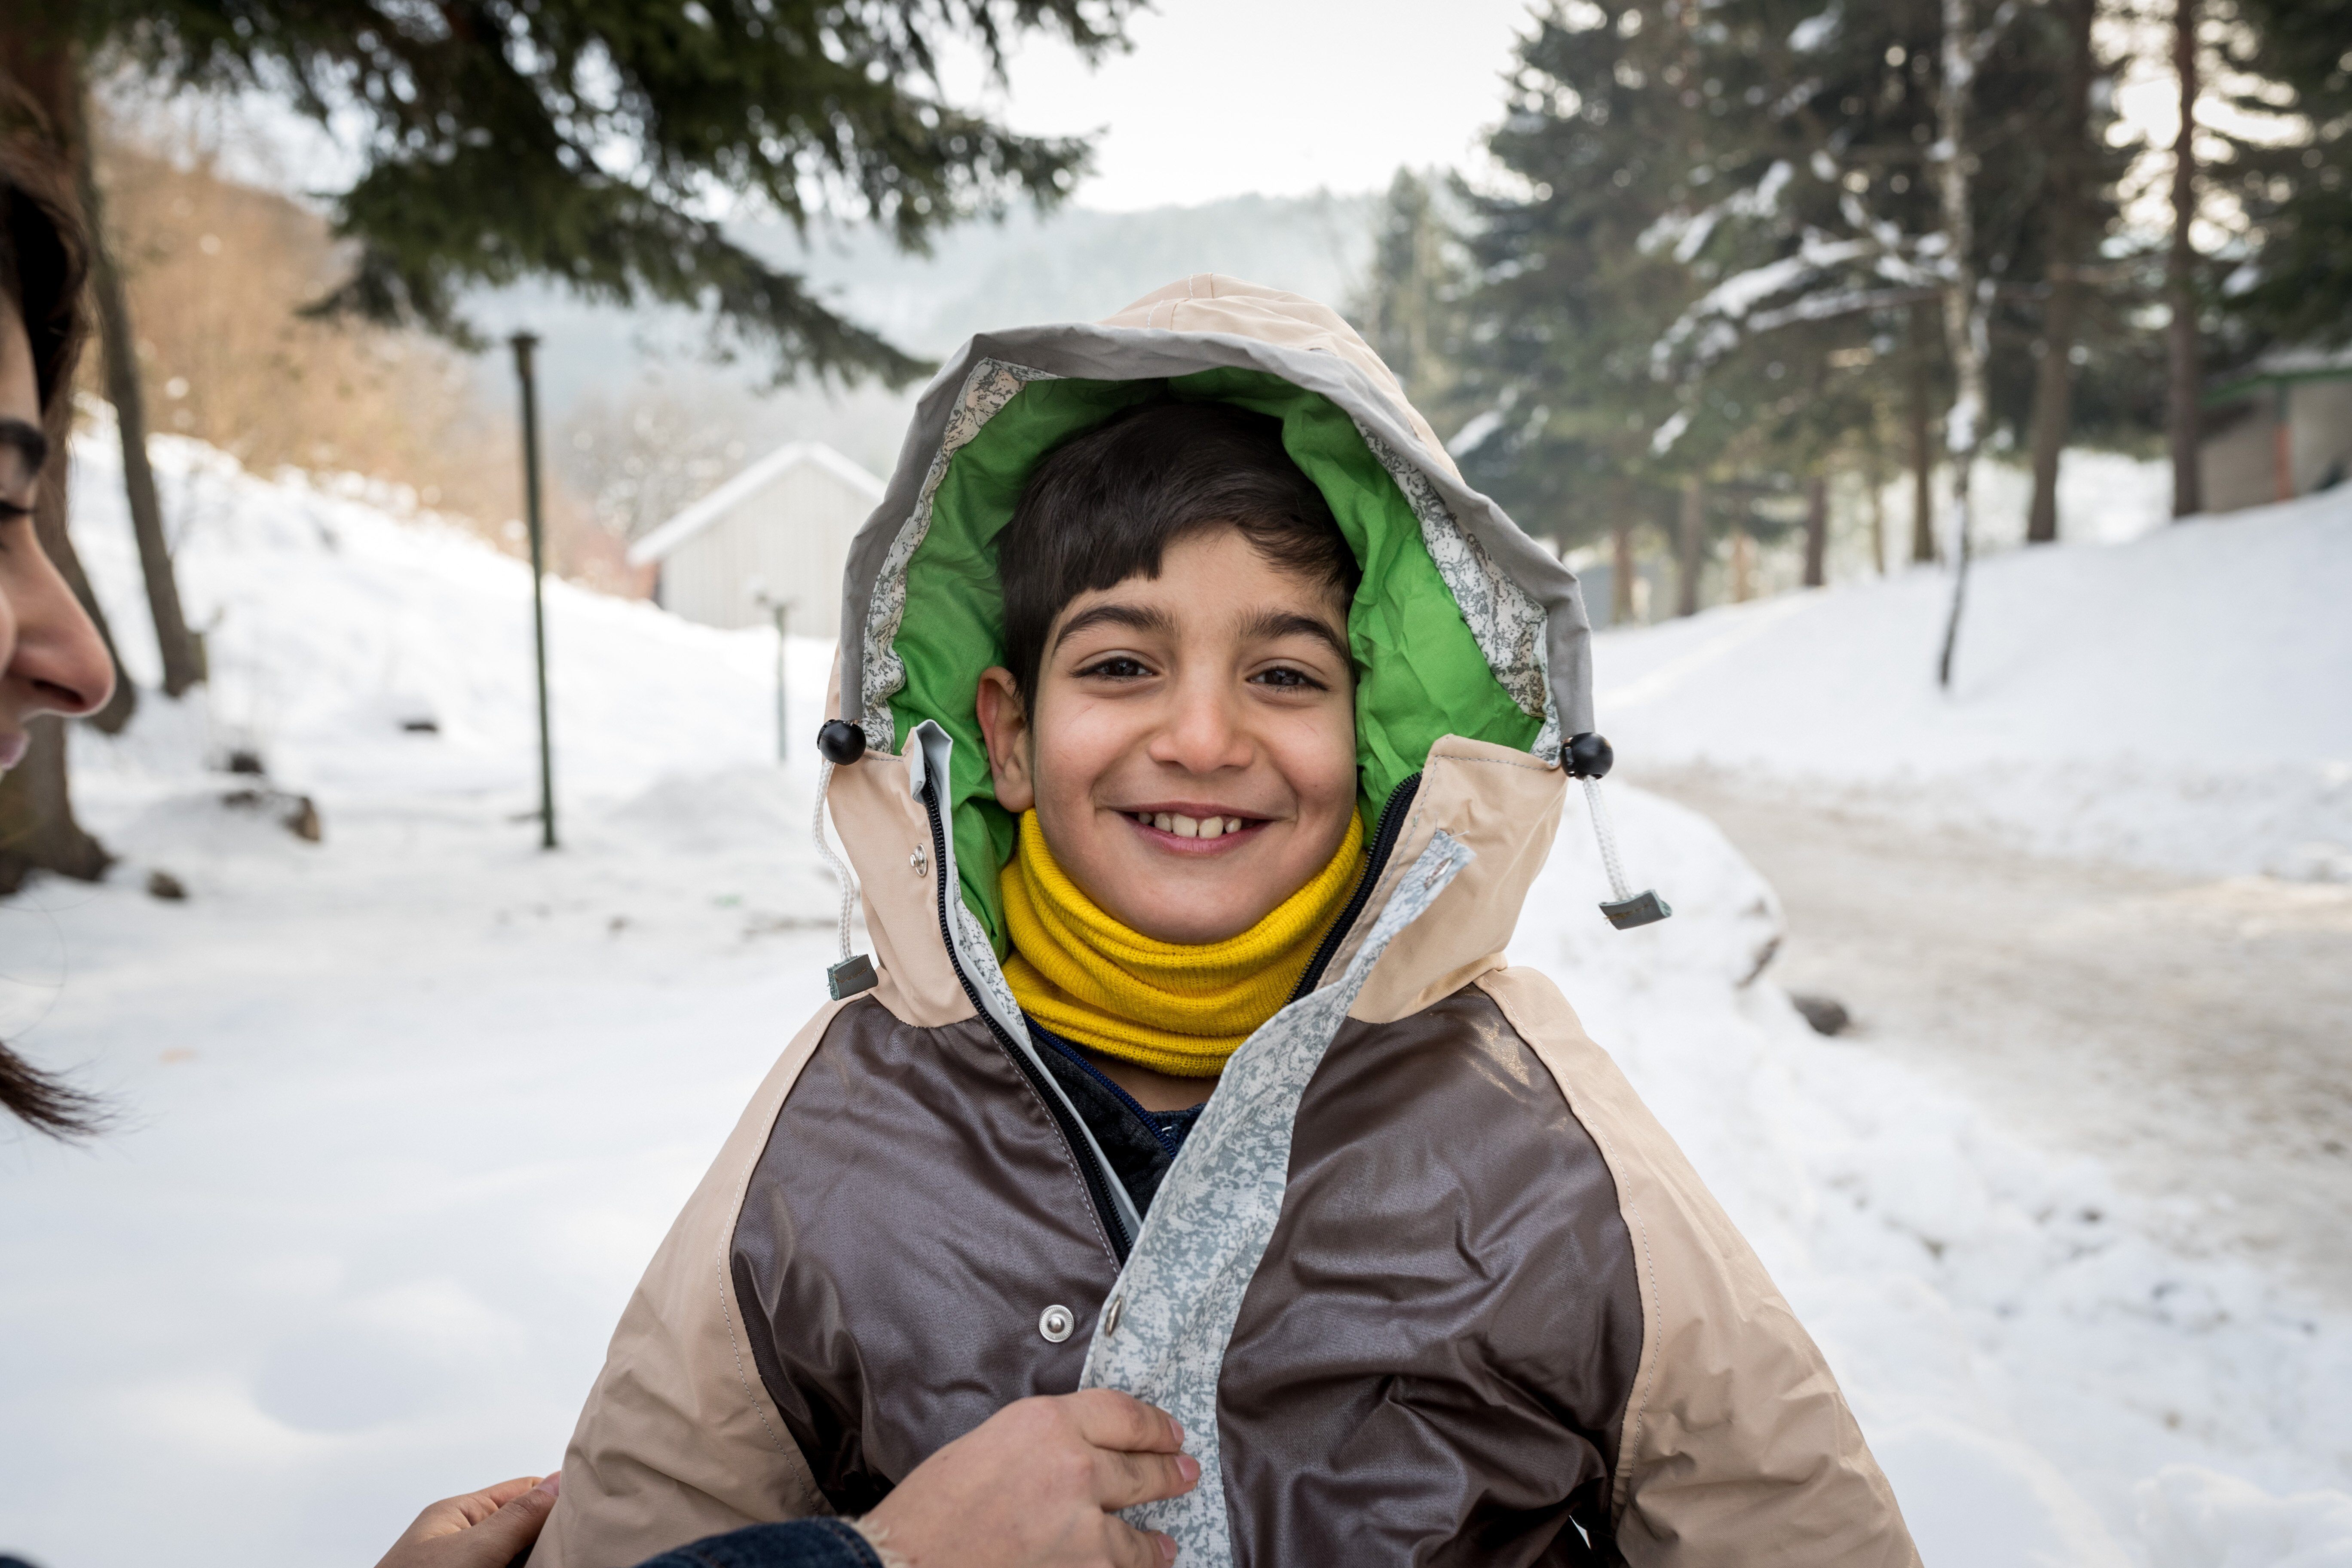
(1180, 911)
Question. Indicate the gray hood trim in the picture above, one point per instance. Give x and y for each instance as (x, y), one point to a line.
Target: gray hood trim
(993, 367)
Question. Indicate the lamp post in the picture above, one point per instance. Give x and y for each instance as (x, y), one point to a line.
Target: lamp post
(523, 344)
(781, 609)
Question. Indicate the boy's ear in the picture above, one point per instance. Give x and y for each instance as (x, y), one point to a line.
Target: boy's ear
(1005, 725)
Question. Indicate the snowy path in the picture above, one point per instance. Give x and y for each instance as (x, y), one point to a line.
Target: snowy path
(2194, 1034)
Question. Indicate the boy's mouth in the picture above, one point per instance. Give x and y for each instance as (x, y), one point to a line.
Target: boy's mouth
(1183, 828)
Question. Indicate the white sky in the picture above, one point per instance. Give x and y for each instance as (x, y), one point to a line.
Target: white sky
(1283, 96)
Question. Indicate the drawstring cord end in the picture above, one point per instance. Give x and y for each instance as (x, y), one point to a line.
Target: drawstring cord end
(1587, 758)
(854, 973)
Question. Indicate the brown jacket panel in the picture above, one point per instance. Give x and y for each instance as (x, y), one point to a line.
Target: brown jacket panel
(1442, 1337)
(1738, 1449)
(915, 1213)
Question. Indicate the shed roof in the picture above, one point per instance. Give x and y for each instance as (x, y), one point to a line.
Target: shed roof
(2279, 366)
(694, 518)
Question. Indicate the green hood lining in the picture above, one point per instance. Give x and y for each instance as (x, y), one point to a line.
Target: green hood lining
(1420, 674)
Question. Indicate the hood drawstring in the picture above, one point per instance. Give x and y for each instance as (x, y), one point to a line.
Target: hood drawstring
(855, 972)
(1603, 828)
(1587, 758)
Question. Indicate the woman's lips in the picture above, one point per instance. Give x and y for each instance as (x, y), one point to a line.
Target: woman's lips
(12, 749)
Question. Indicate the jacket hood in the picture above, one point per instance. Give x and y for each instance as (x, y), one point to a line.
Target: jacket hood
(1463, 626)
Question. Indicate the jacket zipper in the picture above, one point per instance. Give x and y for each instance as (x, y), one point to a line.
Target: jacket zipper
(1097, 1180)
(1384, 842)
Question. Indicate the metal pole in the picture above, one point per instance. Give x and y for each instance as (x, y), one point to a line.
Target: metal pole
(783, 718)
(524, 343)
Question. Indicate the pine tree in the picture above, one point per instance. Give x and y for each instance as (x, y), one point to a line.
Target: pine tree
(590, 142)
(593, 143)
(2295, 195)
(1410, 307)
(1574, 432)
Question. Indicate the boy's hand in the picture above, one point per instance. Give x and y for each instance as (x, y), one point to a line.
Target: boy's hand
(1038, 1484)
(488, 1528)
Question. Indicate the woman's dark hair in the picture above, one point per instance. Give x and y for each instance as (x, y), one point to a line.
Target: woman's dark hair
(1103, 506)
(44, 260)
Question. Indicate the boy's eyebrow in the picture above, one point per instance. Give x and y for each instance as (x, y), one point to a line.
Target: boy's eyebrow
(1268, 625)
(1135, 618)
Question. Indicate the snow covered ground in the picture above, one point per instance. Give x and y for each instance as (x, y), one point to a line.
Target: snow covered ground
(2183, 700)
(408, 1108)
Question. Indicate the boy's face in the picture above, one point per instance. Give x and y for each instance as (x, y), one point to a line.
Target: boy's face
(1192, 754)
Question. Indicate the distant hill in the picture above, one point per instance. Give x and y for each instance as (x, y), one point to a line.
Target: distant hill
(1073, 265)
(1079, 264)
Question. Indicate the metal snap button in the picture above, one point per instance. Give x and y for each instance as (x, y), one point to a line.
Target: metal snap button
(1056, 1323)
(1110, 1316)
(920, 860)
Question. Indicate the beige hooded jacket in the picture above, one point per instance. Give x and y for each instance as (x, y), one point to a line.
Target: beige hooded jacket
(1426, 1282)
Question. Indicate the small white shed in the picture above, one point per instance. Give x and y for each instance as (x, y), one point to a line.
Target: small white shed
(2279, 428)
(780, 529)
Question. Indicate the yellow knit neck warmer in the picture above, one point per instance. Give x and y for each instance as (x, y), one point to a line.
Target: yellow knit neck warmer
(1160, 1005)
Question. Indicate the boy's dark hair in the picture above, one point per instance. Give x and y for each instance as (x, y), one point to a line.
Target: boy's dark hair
(1106, 504)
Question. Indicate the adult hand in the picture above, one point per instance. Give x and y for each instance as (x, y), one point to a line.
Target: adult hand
(488, 1528)
(1037, 1485)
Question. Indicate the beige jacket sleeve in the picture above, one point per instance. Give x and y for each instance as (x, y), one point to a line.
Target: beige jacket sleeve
(679, 1438)
(1738, 1449)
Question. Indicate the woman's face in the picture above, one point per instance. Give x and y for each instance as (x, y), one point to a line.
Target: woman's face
(51, 660)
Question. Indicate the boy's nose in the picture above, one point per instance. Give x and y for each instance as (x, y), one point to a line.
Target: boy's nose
(1202, 734)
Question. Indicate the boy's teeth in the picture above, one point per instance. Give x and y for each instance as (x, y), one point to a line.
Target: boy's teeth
(1184, 827)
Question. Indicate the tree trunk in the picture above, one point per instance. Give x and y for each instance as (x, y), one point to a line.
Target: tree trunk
(1922, 442)
(1817, 530)
(2054, 381)
(180, 667)
(1743, 566)
(1968, 306)
(1693, 542)
(37, 830)
(1620, 577)
(1876, 478)
(2180, 290)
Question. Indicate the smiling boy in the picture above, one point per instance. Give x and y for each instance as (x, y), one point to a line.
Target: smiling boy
(1201, 735)
(1176, 733)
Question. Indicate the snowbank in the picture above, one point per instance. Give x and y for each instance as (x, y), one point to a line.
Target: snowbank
(2183, 700)
(410, 1106)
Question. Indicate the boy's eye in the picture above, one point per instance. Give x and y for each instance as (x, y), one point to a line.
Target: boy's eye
(1288, 678)
(1118, 667)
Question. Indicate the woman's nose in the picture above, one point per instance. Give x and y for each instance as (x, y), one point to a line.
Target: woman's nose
(60, 664)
